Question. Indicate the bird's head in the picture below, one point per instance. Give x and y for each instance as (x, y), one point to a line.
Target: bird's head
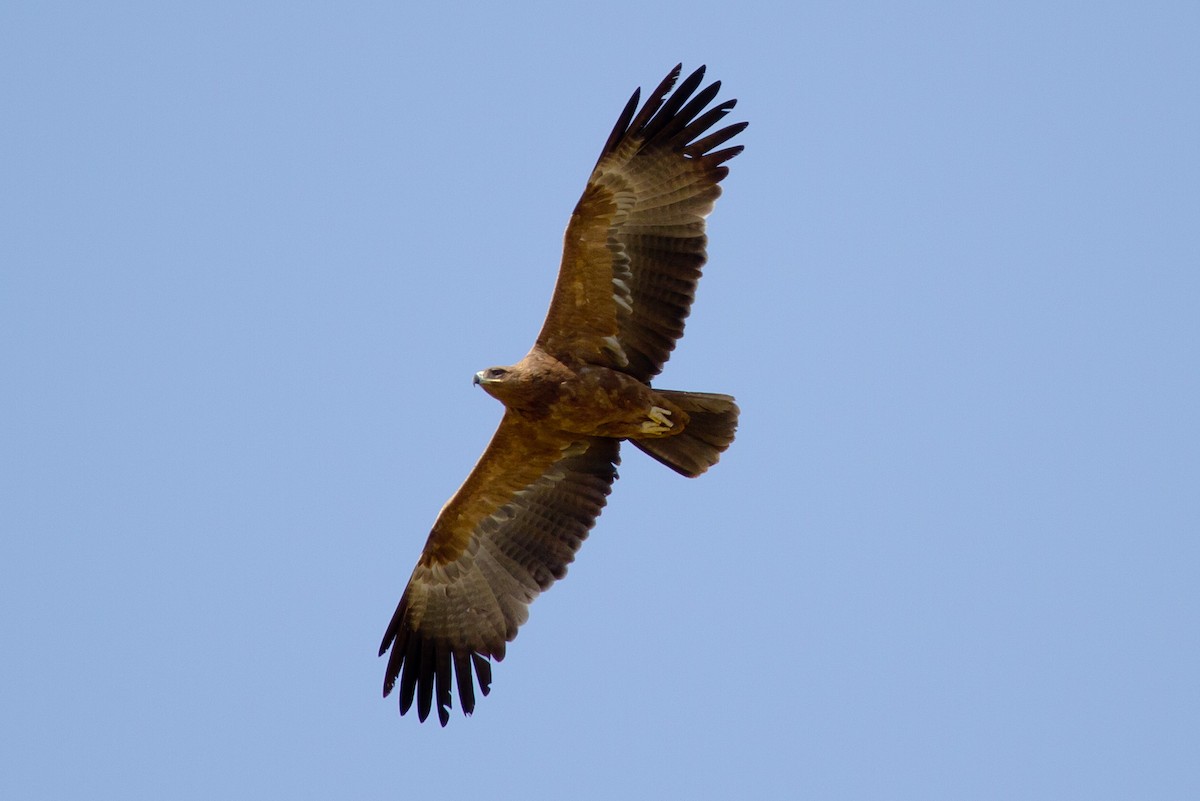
(493, 380)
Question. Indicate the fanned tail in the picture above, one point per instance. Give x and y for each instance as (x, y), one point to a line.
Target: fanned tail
(710, 429)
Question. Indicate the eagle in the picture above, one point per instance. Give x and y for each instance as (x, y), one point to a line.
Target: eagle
(632, 255)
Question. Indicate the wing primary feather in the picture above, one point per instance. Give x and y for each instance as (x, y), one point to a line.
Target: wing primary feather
(388, 637)
(442, 679)
(701, 146)
(408, 676)
(462, 676)
(702, 123)
(721, 156)
(682, 118)
(395, 659)
(395, 631)
(425, 679)
(483, 673)
(655, 100)
(664, 115)
(622, 125)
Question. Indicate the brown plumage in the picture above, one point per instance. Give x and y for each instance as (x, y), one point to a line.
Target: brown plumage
(632, 255)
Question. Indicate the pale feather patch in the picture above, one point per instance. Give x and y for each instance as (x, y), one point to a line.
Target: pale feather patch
(612, 345)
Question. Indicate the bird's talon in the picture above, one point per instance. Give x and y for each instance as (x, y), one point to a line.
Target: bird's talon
(658, 422)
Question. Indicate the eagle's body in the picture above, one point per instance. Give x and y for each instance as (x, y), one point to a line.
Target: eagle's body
(632, 256)
(564, 402)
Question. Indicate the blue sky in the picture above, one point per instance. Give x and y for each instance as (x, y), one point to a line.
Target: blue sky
(252, 256)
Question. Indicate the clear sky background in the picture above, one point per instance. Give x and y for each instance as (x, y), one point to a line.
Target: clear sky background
(252, 254)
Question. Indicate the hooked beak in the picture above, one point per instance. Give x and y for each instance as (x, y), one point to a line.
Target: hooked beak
(480, 378)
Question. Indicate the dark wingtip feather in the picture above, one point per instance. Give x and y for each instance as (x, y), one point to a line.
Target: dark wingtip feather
(428, 674)
(622, 125)
(655, 100)
(442, 683)
(425, 680)
(687, 114)
(462, 676)
(701, 124)
(393, 664)
(395, 628)
(408, 674)
(673, 116)
(702, 146)
(668, 111)
(483, 671)
(722, 156)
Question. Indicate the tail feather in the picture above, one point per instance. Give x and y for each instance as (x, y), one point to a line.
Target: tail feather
(712, 421)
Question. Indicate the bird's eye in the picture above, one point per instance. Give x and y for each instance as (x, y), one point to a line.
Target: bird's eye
(496, 372)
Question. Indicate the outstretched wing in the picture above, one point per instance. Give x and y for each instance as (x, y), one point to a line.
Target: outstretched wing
(635, 244)
(507, 534)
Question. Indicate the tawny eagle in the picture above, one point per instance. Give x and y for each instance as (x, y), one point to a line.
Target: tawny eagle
(632, 255)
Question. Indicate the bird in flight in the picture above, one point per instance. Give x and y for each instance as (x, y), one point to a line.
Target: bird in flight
(632, 256)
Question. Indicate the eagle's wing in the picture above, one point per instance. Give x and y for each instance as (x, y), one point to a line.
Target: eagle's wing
(507, 534)
(635, 244)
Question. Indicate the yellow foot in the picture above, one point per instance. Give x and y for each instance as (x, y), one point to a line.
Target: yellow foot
(658, 422)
